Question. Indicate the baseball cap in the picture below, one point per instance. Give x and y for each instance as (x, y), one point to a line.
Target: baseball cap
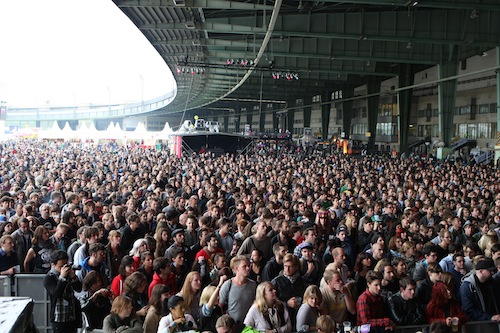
(487, 264)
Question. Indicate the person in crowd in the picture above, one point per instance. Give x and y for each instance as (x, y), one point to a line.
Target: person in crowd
(190, 293)
(91, 236)
(362, 265)
(275, 265)
(95, 262)
(61, 284)
(114, 253)
(8, 257)
(210, 310)
(402, 306)
(309, 310)
(268, 314)
(478, 296)
(325, 324)
(131, 232)
(178, 266)
(256, 266)
(122, 318)
(146, 266)
(38, 257)
(61, 242)
(424, 287)
(177, 320)
(22, 240)
(158, 294)
(162, 275)
(309, 237)
(134, 287)
(400, 269)
(139, 246)
(443, 306)
(95, 300)
(430, 256)
(238, 293)
(259, 240)
(290, 286)
(225, 235)
(338, 301)
(126, 269)
(311, 269)
(370, 307)
(226, 324)
(162, 237)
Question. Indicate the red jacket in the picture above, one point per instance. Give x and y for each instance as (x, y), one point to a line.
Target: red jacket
(169, 282)
(117, 285)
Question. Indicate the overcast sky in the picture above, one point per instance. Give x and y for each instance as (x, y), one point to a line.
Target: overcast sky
(66, 52)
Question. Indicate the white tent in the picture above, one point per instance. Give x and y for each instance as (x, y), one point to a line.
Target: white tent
(53, 132)
(67, 132)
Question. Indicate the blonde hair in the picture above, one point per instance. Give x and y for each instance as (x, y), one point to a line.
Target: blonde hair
(312, 290)
(325, 324)
(260, 297)
(186, 291)
(120, 303)
(236, 261)
(206, 294)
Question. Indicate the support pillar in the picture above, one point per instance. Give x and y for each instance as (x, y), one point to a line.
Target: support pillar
(307, 111)
(326, 98)
(406, 78)
(347, 92)
(497, 145)
(290, 104)
(226, 123)
(446, 97)
(275, 122)
(262, 118)
(373, 86)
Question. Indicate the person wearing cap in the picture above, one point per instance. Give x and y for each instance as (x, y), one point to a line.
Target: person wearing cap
(177, 320)
(309, 237)
(466, 237)
(479, 294)
(178, 238)
(311, 269)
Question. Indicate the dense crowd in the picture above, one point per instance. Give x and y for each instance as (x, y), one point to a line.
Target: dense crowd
(139, 240)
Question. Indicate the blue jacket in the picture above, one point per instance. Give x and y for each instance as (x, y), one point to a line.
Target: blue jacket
(86, 268)
(472, 299)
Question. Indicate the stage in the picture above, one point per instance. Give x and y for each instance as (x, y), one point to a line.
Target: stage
(218, 143)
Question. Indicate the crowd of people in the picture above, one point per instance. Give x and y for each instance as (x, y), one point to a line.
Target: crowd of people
(138, 240)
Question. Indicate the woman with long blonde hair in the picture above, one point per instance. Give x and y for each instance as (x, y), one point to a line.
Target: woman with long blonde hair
(268, 314)
(190, 292)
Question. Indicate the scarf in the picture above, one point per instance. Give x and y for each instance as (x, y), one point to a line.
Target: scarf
(293, 277)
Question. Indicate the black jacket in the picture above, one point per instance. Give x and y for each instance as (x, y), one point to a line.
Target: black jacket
(271, 270)
(62, 289)
(403, 312)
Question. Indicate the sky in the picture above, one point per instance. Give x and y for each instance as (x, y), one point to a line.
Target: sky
(73, 52)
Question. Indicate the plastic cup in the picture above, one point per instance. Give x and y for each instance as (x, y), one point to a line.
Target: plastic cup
(365, 328)
(347, 326)
(454, 324)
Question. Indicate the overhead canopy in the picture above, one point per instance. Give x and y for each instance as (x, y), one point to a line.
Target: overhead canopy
(225, 52)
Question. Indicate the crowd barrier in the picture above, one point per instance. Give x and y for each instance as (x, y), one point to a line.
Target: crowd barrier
(31, 285)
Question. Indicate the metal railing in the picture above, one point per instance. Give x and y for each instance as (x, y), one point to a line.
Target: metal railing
(89, 111)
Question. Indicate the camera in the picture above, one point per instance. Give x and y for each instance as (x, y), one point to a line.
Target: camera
(72, 266)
